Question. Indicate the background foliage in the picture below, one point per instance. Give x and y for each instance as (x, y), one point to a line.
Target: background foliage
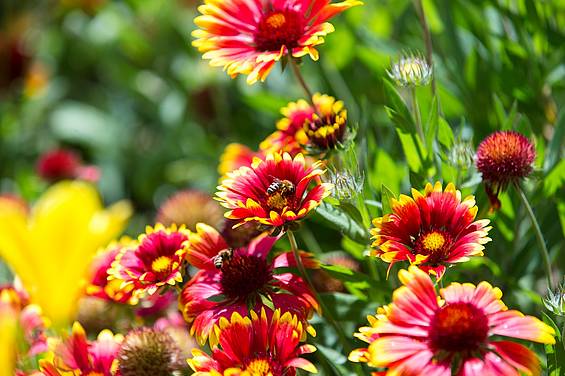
(119, 81)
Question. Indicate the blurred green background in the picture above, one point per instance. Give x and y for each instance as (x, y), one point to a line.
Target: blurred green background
(119, 82)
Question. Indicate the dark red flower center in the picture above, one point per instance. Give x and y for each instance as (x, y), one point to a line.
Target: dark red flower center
(326, 132)
(244, 275)
(459, 327)
(279, 28)
(436, 244)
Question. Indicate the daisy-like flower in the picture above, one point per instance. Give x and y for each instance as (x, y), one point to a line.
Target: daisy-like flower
(78, 356)
(265, 344)
(154, 262)
(189, 207)
(102, 287)
(423, 334)
(503, 158)
(305, 130)
(232, 280)
(431, 230)
(274, 191)
(250, 36)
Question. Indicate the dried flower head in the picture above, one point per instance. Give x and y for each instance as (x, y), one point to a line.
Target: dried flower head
(149, 352)
(503, 158)
(189, 207)
(411, 70)
(347, 185)
(555, 301)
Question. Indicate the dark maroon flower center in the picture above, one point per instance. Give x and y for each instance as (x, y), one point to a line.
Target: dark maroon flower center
(434, 243)
(326, 132)
(459, 327)
(279, 28)
(244, 275)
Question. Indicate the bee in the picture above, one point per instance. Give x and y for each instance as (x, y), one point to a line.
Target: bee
(283, 187)
(222, 257)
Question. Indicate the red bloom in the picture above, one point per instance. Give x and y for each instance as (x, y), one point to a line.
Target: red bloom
(423, 334)
(155, 262)
(61, 164)
(236, 156)
(232, 280)
(504, 157)
(249, 37)
(100, 286)
(260, 345)
(274, 191)
(78, 355)
(431, 230)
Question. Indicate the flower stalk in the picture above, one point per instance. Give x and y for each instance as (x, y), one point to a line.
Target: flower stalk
(539, 236)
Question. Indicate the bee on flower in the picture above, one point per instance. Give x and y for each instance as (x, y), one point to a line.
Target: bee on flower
(274, 191)
(250, 37)
(432, 230)
(263, 344)
(231, 280)
(455, 333)
(155, 261)
(411, 70)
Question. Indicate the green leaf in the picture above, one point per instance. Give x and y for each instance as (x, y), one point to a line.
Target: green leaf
(432, 125)
(413, 150)
(555, 148)
(339, 220)
(554, 180)
(445, 133)
(345, 274)
(555, 353)
(397, 110)
(386, 199)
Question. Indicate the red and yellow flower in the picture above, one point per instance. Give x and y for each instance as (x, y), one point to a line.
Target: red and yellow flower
(274, 191)
(79, 356)
(431, 230)
(251, 36)
(232, 280)
(235, 156)
(154, 262)
(265, 344)
(421, 333)
(102, 287)
(503, 158)
(304, 129)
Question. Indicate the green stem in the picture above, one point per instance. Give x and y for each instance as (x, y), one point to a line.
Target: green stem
(302, 82)
(326, 312)
(539, 236)
(416, 110)
(427, 39)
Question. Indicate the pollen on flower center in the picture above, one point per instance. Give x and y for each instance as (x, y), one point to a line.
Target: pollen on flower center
(435, 244)
(277, 201)
(277, 29)
(161, 264)
(259, 367)
(244, 275)
(459, 327)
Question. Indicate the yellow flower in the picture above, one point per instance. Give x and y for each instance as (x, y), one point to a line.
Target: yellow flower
(8, 333)
(51, 247)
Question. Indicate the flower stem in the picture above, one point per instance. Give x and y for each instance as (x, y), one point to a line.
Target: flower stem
(427, 38)
(416, 110)
(539, 235)
(302, 82)
(326, 312)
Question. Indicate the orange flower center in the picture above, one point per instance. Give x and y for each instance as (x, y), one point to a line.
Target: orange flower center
(244, 275)
(277, 201)
(161, 264)
(259, 367)
(458, 327)
(435, 244)
(277, 29)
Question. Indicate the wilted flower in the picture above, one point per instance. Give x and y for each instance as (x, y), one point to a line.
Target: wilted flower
(50, 248)
(555, 300)
(411, 70)
(503, 158)
(265, 344)
(149, 352)
(274, 191)
(431, 230)
(249, 37)
(79, 356)
(232, 280)
(188, 208)
(61, 164)
(421, 333)
(153, 263)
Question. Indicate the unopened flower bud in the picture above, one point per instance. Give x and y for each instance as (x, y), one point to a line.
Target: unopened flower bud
(411, 70)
